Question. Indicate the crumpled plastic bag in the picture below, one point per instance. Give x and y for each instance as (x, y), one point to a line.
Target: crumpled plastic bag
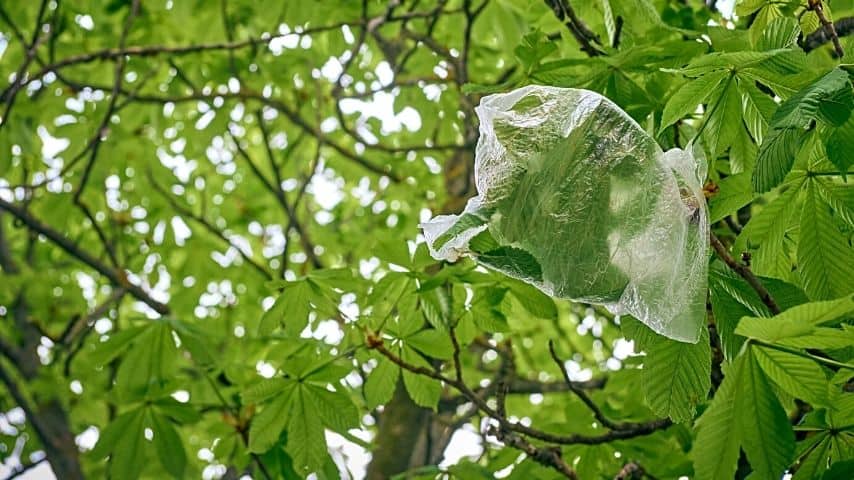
(578, 200)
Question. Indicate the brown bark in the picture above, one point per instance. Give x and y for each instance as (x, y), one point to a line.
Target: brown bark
(47, 416)
(401, 426)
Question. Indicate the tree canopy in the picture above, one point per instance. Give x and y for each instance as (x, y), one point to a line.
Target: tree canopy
(212, 264)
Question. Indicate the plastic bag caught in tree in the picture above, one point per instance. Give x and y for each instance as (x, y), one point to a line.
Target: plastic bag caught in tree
(578, 200)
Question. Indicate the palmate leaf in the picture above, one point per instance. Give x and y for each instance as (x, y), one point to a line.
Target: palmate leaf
(306, 440)
(380, 385)
(825, 258)
(758, 108)
(776, 157)
(781, 32)
(168, 444)
(732, 299)
(766, 436)
(796, 321)
(676, 376)
(840, 144)
(532, 299)
(689, 96)
(798, 376)
(149, 364)
(763, 235)
(839, 197)
(828, 99)
(735, 192)
(431, 342)
(722, 120)
(336, 410)
(267, 425)
(265, 390)
(745, 412)
(424, 391)
(716, 446)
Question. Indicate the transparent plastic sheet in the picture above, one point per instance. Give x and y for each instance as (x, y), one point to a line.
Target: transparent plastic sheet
(578, 200)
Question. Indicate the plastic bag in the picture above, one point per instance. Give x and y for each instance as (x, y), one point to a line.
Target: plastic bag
(578, 200)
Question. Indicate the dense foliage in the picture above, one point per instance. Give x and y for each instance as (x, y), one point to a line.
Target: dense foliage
(211, 261)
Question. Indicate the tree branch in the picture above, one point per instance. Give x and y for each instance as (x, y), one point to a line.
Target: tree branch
(20, 76)
(117, 277)
(827, 25)
(745, 273)
(582, 395)
(632, 430)
(209, 227)
(582, 33)
(843, 27)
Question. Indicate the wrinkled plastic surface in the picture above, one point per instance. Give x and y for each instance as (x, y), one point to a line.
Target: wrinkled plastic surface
(578, 200)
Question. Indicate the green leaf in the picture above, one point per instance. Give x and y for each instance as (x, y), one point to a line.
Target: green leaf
(776, 157)
(676, 376)
(532, 299)
(715, 449)
(149, 364)
(758, 109)
(436, 306)
(829, 98)
(822, 338)
(513, 261)
(168, 444)
(297, 300)
(691, 94)
(467, 221)
(800, 377)
(767, 438)
(839, 197)
(126, 460)
(381, 383)
(393, 251)
(267, 426)
(825, 258)
(796, 321)
(265, 390)
(106, 352)
(764, 234)
(782, 32)
(839, 145)
(744, 412)
(423, 390)
(386, 294)
(735, 192)
(180, 412)
(306, 441)
(121, 426)
(336, 409)
(723, 119)
(431, 342)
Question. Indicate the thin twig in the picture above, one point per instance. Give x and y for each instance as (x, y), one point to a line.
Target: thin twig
(582, 395)
(631, 431)
(117, 277)
(827, 25)
(745, 272)
(583, 35)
